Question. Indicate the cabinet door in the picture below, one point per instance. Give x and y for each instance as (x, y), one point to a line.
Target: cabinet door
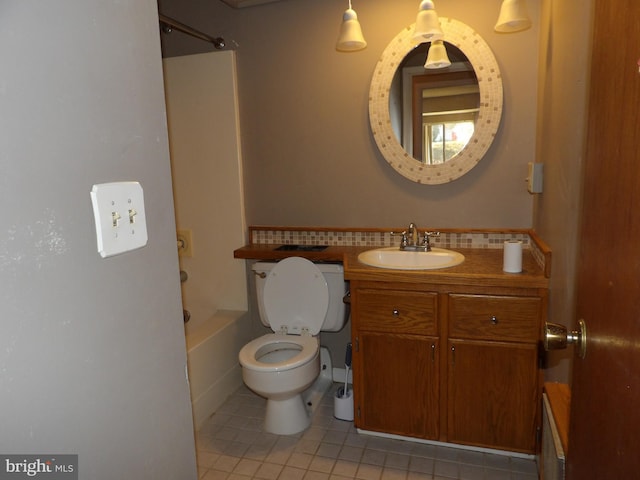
(493, 393)
(397, 390)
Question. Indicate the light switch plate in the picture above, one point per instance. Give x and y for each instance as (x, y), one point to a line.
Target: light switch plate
(120, 219)
(534, 177)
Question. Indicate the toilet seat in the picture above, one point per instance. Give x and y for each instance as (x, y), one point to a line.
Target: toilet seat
(296, 297)
(249, 354)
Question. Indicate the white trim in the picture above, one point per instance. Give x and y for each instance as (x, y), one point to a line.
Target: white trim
(505, 453)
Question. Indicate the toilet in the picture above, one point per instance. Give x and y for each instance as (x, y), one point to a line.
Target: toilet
(297, 299)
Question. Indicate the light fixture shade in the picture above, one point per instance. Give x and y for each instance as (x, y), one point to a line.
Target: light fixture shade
(513, 17)
(350, 38)
(437, 56)
(427, 23)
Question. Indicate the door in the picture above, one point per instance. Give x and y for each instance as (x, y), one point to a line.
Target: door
(604, 435)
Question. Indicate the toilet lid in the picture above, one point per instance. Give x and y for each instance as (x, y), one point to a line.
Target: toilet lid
(296, 296)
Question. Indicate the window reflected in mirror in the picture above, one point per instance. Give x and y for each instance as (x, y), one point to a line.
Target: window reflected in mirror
(443, 141)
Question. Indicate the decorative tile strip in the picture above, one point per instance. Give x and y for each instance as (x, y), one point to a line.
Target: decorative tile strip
(380, 238)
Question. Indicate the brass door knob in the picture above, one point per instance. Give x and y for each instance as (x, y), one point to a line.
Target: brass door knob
(556, 337)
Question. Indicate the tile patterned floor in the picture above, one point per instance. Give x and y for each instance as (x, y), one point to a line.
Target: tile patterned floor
(233, 446)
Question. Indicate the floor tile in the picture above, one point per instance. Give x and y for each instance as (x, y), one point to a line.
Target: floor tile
(232, 445)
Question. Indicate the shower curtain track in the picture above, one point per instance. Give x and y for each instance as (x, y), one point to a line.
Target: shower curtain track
(169, 24)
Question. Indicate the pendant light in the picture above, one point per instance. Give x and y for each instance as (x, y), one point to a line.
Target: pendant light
(437, 56)
(513, 17)
(350, 38)
(427, 23)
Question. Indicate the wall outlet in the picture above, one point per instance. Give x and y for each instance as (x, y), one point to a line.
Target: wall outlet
(185, 243)
(118, 209)
(534, 177)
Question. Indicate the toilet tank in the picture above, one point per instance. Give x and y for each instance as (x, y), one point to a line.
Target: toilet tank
(337, 312)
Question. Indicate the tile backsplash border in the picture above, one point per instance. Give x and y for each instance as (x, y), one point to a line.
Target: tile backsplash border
(379, 237)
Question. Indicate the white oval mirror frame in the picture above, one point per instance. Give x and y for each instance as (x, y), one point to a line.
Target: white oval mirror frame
(490, 84)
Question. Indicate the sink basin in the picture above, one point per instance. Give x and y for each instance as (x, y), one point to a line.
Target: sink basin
(394, 258)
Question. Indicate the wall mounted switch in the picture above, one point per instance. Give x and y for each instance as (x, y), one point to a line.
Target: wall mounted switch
(119, 214)
(534, 177)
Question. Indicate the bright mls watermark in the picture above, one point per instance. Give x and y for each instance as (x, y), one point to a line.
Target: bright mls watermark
(50, 467)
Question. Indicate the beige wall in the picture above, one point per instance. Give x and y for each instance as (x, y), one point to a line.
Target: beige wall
(308, 152)
(564, 63)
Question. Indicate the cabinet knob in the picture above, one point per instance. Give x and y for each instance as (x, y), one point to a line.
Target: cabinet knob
(395, 312)
(494, 320)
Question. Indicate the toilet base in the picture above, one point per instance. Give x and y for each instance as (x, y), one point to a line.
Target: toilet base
(286, 417)
(295, 419)
(313, 395)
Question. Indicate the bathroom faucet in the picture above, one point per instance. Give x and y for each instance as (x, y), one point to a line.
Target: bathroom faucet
(410, 239)
(413, 235)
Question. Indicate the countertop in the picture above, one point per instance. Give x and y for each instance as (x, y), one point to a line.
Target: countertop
(269, 252)
(481, 266)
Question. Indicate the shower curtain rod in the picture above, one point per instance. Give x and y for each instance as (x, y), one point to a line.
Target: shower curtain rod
(170, 23)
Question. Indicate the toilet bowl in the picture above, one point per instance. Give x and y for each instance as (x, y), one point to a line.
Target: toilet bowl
(266, 369)
(297, 299)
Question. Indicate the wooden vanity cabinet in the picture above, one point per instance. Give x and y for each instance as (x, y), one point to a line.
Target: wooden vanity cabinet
(455, 364)
(396, 361)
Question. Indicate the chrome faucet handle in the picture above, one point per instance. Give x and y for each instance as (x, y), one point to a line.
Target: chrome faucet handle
(427, 239)
(403, 240)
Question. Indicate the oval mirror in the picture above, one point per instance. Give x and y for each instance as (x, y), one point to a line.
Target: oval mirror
(434, 125)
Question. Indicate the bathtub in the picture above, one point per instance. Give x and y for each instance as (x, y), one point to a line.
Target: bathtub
(212, 357)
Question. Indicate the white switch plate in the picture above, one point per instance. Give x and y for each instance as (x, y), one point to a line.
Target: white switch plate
(119, 213)
(534, 177)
